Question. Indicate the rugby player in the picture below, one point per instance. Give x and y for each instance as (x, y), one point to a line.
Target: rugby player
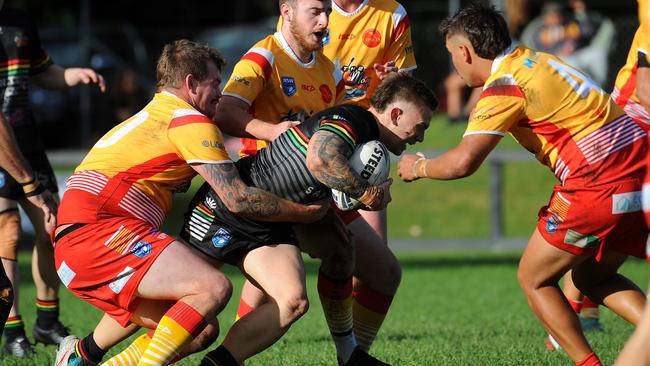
(23, 61)
(367, 40)
(13, 162)
(636, 351)
(304, 164)
(109, 249)
(595, 150)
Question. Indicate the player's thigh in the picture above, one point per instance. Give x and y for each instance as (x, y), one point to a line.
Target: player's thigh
(378, 222)
(182, 272)
(591, 271)
(374, 261)
(278, 270)
(325, 238)
(543, 264)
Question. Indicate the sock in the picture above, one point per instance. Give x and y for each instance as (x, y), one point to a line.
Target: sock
(180, 324)
(88, 349)
(243, 309)
(14, 328)
(575, 305)
(219, 357)
(370, 308)
(47, 313)
(590, 360)
(589, 309)
(336, 299)
(132, 354)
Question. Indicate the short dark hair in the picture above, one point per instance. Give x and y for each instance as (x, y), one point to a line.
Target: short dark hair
(404, 87)
(183, 57)
(484, 27)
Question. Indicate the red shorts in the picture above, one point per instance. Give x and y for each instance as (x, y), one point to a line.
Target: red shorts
(588, 220)
(346, 216)
(104, 262)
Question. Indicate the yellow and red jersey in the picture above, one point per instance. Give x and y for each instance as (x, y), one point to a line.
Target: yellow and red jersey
(133, 170)
(624, 93)
(378, 31)
(560, 115)
(279, 87)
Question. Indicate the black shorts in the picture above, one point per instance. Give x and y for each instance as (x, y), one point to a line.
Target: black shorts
(11, 189)
(227, 237)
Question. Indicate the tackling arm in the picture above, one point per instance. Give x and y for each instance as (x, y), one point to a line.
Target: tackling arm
(253, 202)
(56, 77)
(233, 118)
(459, 162)
(327, 160)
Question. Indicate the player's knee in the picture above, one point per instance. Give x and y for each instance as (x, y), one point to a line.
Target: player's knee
(525, 279)
(218, 288)
(292, 308)
(9, 234)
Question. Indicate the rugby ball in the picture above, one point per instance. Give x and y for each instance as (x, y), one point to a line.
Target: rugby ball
(372, 161)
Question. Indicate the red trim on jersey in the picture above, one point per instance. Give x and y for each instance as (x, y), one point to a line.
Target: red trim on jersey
(260, 60)
(249, 147)
(15, 61)
(503, 90)
(403, 25)
(628, 88)
(189, 119)
(340, 87)
(561, 138)
(341, 123)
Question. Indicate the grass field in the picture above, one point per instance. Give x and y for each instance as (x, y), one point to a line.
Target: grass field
(452, 309)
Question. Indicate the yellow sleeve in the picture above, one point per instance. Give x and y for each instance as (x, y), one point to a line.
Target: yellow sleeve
(197, 139)
(249, 76)
(400, 48)
(499, 108)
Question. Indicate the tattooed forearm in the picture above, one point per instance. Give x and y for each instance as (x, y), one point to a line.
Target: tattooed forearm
(332, 153)
(236, 195)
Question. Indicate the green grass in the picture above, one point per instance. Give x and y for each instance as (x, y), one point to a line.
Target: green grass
(451, 309)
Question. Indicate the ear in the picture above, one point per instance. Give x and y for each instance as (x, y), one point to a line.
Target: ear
(466, 53)
(285, 11)
(395, 112)
(190, 84)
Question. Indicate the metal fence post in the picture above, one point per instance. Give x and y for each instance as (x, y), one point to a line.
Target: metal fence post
(496, 200)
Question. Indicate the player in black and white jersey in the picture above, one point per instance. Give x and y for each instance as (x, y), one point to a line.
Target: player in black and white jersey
(304, 164)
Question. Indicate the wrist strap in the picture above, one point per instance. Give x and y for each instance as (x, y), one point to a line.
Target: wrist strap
(29, 182)
(32, 188)
(420, 168)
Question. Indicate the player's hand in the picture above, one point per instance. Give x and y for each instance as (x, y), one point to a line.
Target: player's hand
(49, 205)
(405, 167)
(77, 75)
(383, 71)
(379, 196)
(281, 128)
(317, 210)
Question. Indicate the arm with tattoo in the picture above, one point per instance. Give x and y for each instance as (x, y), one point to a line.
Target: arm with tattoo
(253, 202)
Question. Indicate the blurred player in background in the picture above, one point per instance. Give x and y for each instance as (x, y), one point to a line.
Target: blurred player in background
(595, 150)
(636, 351)
(367, 40)
(22, 62)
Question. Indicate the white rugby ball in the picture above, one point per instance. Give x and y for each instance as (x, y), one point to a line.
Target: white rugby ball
(372, 161)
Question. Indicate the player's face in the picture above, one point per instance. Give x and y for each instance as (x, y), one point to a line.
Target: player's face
(408, 125)
(308, 22)
(206, 93)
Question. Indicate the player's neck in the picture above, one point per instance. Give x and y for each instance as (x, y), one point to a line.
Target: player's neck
(348, 6)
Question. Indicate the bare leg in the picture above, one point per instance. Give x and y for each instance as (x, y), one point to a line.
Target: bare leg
(636, 351)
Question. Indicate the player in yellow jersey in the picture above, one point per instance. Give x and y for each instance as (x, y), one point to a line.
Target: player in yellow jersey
(594, 149)
(109, 249)
(636, 351)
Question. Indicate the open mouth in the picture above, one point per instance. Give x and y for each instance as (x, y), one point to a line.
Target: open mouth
(320, 34)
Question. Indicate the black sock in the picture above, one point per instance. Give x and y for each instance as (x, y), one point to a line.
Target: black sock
(47, 313)
(220, 356)
(14, 328)
(90, 349)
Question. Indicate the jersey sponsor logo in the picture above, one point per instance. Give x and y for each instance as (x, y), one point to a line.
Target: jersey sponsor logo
(66, 274)
(241, 80)
(347, 36)
(325, 93)
(120, 281)
(221, 238)
(308, 87)
(210, 202)
(355, 80)
(627, 202)
(289, 85)
(212, 143)
(580, 240)
(371, 37)
(551, 224)
(141, 249)
(376, 156)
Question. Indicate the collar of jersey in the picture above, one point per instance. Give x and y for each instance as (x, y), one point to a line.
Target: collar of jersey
(497, 61)
(172, 95)
(345, 13)
(285, 46)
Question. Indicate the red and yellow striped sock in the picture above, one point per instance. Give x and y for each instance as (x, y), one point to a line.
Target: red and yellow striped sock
(243, 309)
(336, 299)
(132, 354)
(177, 327)
(369, 308)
